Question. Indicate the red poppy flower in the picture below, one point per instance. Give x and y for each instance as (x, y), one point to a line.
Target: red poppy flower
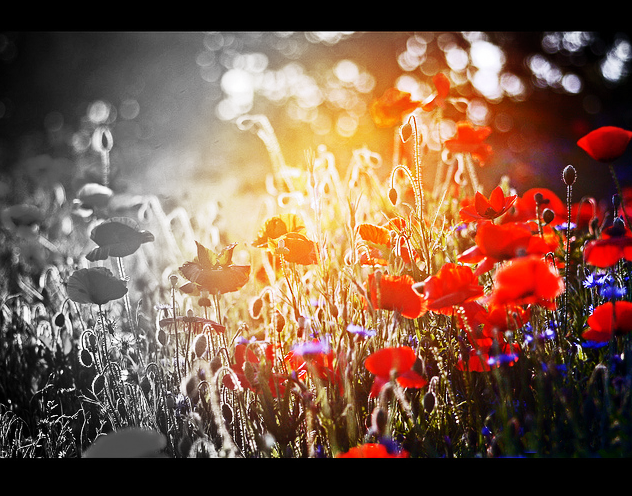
(395, 293)
(275, 227)
(117, 237)
(96, 285)
(527, 280)
(486, 333)
(315, 358)
(245, 356)
(471, 140)
(489, 209)
(285, 234)
(480, 359)
(395, 362)
(374, 244)
(372, 450)
(525, 206)
(297, 248)
(496, 243)
(605, 144)
(614, 244)
(453, 285)
(437, 99)
(390, 108)
(601, 324)
(214, 272)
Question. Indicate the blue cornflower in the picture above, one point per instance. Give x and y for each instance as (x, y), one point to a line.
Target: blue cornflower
(360, 331)
(594, 280)
(311, 348)
(612, 291)
(502, 359)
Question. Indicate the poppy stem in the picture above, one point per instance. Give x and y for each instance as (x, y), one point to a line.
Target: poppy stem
(175, 327)
(106, 358)
(128, 306)
(472, 173)
(569, 176)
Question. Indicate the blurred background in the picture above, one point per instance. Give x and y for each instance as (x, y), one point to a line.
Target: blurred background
(172, 100)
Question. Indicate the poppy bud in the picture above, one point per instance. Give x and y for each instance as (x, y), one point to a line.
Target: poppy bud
(204, 302)
(392, 196)
(548, 215)
(200, 345)
(91, 341)
(429, 401)
(256, 307)
(279, 321)
(227, 413)
(85, 358)
(173, 279)
(333, 309)
(569, 175)
(406, 131)
(60, 320)
(379, 420)
(216, 363)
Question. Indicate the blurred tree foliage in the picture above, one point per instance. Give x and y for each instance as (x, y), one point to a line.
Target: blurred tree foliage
(164, 89)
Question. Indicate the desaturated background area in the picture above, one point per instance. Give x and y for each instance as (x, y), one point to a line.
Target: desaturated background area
(172, 100)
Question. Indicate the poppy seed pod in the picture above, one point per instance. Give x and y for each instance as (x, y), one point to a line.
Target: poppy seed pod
(569, 175)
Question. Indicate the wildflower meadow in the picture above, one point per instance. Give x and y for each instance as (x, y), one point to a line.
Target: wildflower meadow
(395, 306)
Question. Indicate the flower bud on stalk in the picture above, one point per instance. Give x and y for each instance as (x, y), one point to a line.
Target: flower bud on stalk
(392, 196)
(548, 215)
(569, 175)
(200, 345)
(379, 420)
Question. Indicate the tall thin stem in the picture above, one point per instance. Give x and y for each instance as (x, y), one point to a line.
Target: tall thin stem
(175, 327)
(569, 175)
